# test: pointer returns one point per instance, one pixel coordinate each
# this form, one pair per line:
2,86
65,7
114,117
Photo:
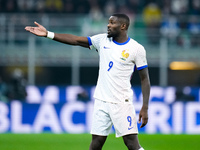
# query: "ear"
123,26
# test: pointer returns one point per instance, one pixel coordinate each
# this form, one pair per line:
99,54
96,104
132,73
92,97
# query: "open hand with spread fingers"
39,30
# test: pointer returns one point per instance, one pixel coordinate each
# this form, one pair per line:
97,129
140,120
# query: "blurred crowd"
104,6
161,17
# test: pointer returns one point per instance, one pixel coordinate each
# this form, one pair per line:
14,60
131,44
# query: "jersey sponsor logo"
124,55
105,47
130,128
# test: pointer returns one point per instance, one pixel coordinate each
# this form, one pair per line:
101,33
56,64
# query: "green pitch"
82,142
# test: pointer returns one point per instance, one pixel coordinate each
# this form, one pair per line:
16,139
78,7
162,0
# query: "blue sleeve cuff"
89,41
142,67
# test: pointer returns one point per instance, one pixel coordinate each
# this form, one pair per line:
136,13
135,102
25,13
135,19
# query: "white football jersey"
116,65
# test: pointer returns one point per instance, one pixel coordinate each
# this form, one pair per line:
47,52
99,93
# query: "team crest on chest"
124,55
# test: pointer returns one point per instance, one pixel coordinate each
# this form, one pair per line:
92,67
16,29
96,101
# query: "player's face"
113,27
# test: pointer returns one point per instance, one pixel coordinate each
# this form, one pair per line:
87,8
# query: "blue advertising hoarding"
69,109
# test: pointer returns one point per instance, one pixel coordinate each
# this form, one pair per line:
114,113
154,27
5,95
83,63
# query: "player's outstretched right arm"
70,39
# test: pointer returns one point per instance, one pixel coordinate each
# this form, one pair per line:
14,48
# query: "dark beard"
109,36
112,35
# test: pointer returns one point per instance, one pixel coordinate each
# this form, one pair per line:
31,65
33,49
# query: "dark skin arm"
70,39
145,85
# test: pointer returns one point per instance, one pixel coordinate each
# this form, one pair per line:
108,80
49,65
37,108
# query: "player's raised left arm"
145,85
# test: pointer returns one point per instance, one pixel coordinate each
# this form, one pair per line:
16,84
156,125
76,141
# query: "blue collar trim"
122,43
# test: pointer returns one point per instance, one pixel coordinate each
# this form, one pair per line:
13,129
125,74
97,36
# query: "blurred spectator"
134,5
152,19
25,5
109,8
125,9
83,6
54,5
69,6
179,6
3,89
94,21
10,5
166,7
40,6
195,7
170,29
129,12
17,86
95,13
194,30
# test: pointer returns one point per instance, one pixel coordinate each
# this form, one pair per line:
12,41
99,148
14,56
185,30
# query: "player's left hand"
143,116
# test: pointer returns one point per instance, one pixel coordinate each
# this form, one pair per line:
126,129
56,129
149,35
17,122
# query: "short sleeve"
95,41
140,58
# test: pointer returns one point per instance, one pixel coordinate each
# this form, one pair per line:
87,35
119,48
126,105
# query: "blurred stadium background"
46,86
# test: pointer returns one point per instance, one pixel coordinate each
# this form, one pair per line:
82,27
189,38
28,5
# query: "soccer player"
118,56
